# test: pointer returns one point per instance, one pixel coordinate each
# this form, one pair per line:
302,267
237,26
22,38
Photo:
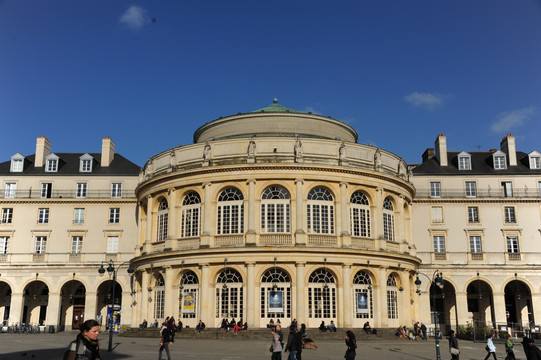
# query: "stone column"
347,312
206,216
169,291
140,235
462,314
499,308
377,221
205,301
91,302
126,310
301,307
251,233
148,234
344,226
53,310
380,301
536,307
251,316
173,229
300,232
144,304
16,307
404,314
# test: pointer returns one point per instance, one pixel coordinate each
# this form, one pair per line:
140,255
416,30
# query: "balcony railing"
65,194
275,239
322,240
516,193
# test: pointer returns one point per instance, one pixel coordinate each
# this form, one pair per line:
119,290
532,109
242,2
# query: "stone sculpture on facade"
298,150
251,151
342,153
206,154
377,160
402,171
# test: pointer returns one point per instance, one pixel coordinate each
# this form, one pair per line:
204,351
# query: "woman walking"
276,346
490,348
86,345
351,343
165,340
509,348
454,350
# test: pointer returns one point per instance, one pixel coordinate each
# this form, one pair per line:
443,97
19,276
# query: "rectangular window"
507,188
52,165
473,214
392,304
435,189
116,190
437,214
43,216
512,244
79,216
475,244
114,215
86,165
112,244
76,244
4,244
40,246
46,190
7,216
499,162
471,189
510,214
535,162
439,244
17,165
464,163
10,190
81,190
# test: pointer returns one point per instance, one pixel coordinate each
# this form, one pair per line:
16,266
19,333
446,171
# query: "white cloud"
505,121
425,100
135,18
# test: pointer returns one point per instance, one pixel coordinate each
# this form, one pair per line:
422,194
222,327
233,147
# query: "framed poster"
362,303
188,303
276,301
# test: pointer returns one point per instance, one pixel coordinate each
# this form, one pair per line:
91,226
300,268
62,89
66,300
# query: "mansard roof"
69,166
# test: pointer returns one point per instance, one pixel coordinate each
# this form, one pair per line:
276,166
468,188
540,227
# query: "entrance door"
78,316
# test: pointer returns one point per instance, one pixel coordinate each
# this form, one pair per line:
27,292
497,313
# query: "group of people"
294,341
419,331
331,327
233,325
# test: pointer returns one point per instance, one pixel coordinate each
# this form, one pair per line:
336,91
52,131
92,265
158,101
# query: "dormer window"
535,160
17,163
51,163
464,161
499,159
85,164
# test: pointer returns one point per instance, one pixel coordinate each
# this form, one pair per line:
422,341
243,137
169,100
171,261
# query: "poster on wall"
188,303
362,303
276,301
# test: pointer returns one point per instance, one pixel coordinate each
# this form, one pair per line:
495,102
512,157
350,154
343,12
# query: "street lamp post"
436,281
111,269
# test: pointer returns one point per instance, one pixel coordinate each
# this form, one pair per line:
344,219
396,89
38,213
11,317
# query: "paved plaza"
52,346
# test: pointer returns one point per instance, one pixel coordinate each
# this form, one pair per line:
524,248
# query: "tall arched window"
392,298
275,210
362,287
322,295
230,212
159,297
320,211
188,296
229,295
359,215
275,295
388,220
191,215
163,216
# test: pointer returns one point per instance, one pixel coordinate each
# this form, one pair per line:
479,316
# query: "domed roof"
276,108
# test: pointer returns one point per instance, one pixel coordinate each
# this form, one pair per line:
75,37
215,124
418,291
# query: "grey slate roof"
481,163
68,165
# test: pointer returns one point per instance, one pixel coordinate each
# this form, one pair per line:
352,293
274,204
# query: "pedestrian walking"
86,345
490,348
351,344
164,341
276,346
454,350
509,348
292,345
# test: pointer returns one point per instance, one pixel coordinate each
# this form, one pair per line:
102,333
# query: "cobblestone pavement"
52,346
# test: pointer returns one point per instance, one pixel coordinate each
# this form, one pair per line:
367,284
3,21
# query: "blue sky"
148,73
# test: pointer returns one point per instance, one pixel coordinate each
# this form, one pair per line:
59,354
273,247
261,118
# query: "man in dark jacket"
532,352
453,346
292,344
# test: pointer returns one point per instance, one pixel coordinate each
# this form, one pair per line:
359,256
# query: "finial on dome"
275,100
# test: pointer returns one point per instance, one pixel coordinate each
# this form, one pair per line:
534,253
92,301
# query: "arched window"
188,296
322,295
362,287
275,210
275,295
159,297
230,212
229,295
392,298
359,215
388,220
320,211
163,216
191,215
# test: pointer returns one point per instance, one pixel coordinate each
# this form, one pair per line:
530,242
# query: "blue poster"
276,301
362,303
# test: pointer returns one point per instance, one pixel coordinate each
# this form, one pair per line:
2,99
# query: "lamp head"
101,270
131,270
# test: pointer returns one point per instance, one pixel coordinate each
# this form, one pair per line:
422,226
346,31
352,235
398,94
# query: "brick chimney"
43,149
441,149
509,147
107,151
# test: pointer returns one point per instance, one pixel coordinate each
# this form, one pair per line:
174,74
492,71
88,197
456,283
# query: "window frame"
473,216
4,244
81,192
114,215
320,211
476,247
46,190
44,215
435,189
7,216
40,244
438,242
76,244
79,216
464,162
471,189
10,190
112,244
17,163
512,246
510,215
507,188
116,190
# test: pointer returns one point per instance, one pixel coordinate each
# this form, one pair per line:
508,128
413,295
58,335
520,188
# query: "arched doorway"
362,296
481,307
321,297
188,299
5,303
72,311
275,296
36,300
518,305
105,299
229,296
443,306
